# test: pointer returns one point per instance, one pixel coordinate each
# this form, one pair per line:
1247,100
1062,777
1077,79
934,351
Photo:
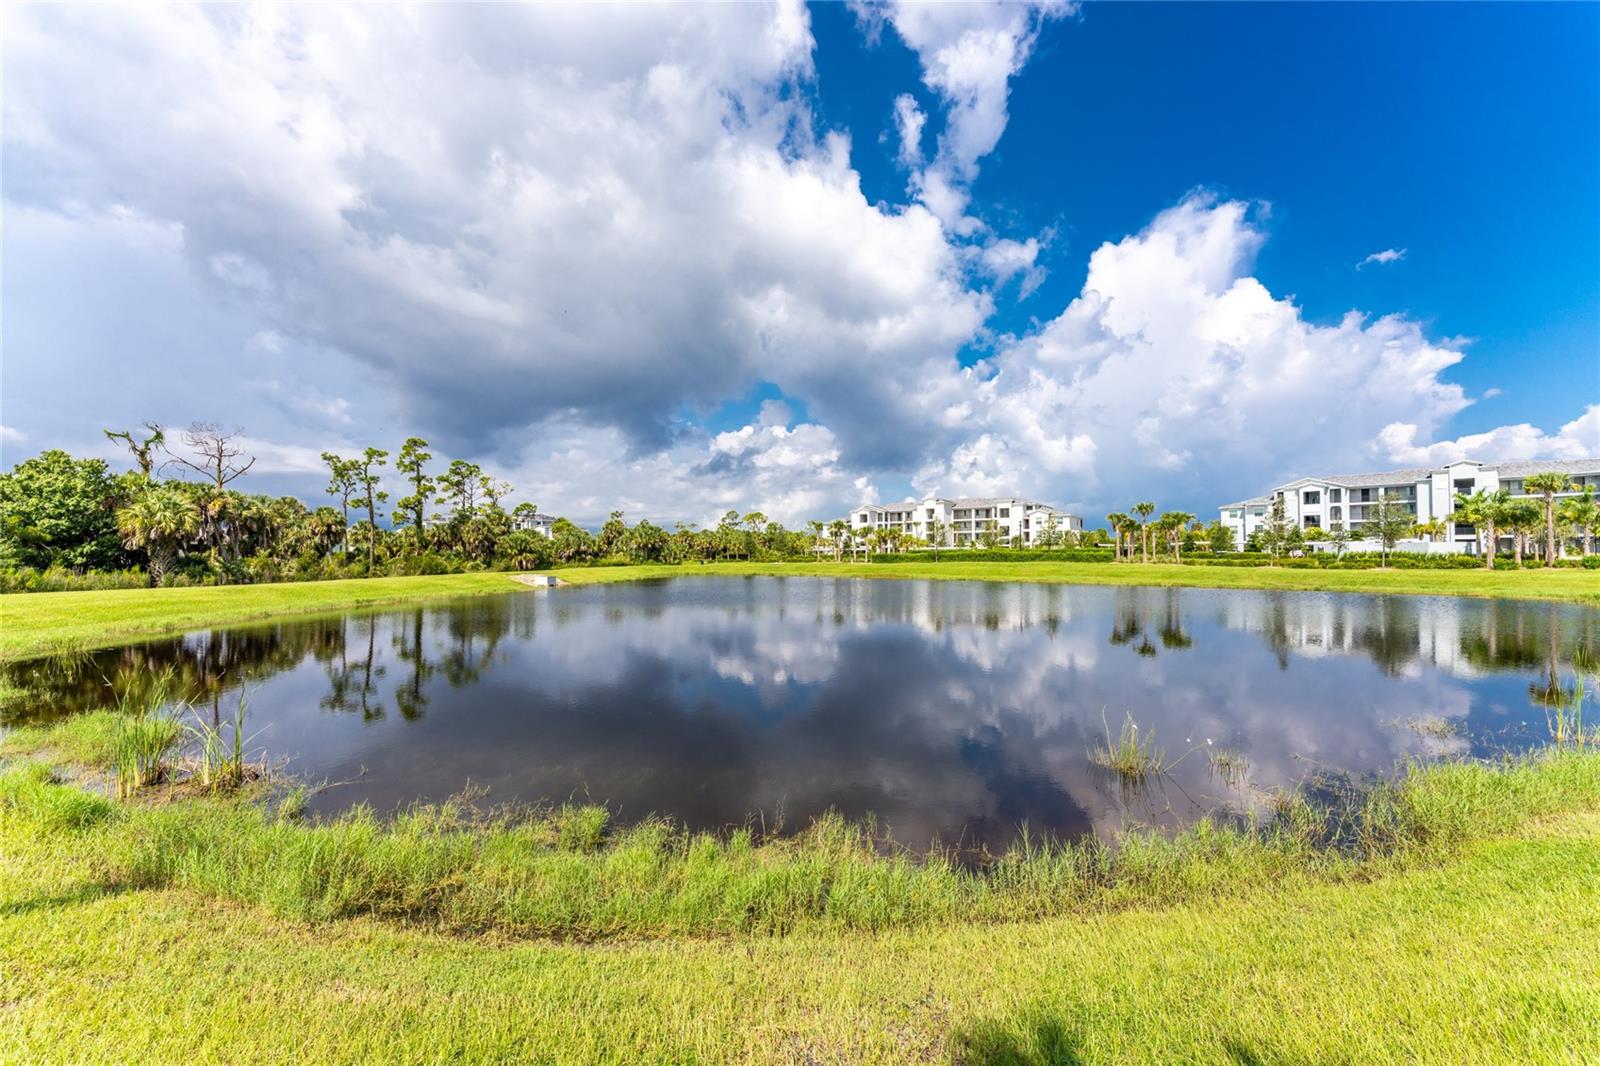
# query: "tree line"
179,517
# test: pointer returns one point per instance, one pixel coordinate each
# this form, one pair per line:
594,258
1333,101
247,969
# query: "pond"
952,712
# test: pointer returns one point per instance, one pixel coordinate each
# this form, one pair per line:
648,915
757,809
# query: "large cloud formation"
558,238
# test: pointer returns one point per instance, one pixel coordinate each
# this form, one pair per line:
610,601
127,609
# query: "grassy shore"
566,873
1470,939
42,623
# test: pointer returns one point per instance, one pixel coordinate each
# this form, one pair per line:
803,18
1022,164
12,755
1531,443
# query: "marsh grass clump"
139,750
1564,717
144,732
1130,755
580,828
1434,726
1231,767
218,762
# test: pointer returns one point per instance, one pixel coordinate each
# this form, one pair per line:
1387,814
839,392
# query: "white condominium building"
1429,493
1019,522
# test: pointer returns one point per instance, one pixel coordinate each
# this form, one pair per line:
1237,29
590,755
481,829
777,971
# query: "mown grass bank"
1485,955
43,623
47,622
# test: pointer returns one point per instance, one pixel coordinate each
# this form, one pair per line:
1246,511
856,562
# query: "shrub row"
60,579
1350,561
999,555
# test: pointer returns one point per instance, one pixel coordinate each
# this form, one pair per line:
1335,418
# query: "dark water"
952,711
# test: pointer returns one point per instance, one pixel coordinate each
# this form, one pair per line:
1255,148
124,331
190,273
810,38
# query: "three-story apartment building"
1018,522
1428,493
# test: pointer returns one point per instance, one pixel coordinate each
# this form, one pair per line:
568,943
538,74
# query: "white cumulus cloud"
1578,439
1388,255
554,238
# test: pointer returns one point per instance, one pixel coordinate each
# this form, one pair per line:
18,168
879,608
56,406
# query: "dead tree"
217,453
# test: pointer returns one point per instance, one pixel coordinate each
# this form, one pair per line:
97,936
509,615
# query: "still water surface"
952,711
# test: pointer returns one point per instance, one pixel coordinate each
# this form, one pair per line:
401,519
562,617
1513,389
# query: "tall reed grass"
145,731
219,761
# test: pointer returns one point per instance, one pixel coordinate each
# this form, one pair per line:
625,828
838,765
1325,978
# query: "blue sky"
683,259
1467,134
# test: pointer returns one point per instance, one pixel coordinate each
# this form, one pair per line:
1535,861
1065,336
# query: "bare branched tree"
217,452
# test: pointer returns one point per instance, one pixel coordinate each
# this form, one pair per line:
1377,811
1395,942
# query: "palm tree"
1144,510
838,532
1523,519
1547,485
1484,511
1430,530
1175,521
159,521
1583,514
1117,521
876,538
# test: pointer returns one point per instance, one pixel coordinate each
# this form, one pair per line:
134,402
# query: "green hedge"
1349,561
999,555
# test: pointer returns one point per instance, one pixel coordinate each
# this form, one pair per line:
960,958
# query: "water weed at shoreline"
567,872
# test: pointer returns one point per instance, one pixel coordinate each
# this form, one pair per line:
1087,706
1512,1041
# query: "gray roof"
1541,466
1412,474
988,501
1408,476
1250,502
959,501
962,501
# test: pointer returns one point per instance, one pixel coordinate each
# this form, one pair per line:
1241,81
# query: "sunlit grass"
570,872
1457,927
35,624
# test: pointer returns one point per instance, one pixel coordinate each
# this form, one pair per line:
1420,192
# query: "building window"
1335,513
1005,512
1313,521
1334,494
1312,496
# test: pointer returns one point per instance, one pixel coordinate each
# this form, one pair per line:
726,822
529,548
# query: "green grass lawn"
1572,585
40,623
1486,958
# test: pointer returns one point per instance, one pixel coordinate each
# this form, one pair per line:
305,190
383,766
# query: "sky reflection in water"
953,711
